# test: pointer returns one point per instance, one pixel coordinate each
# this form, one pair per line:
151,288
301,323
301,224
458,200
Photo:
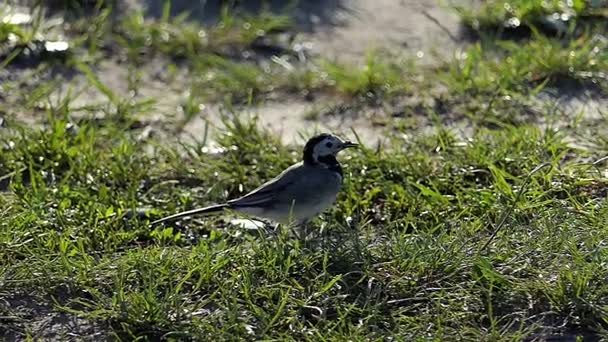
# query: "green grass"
182,39
524,67
377,78
401,254
553,16
219,69
497,81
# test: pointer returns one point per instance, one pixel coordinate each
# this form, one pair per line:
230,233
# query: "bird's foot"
268,228
305,231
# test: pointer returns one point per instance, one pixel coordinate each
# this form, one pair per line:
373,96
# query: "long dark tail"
207,210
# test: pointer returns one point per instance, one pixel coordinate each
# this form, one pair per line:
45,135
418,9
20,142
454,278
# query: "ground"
475,209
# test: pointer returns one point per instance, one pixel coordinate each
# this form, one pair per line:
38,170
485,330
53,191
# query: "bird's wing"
269,191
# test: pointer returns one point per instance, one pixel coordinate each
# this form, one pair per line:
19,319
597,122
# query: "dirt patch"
347,30
26,315
415,28
293,121
334,29
338,30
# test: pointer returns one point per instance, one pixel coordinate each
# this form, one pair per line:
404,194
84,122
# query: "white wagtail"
299,193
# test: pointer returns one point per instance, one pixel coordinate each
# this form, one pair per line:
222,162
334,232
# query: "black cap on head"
310,146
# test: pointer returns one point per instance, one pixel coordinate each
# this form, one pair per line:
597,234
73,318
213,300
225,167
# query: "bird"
297,194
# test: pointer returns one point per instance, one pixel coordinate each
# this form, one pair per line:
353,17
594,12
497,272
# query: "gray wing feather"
269,191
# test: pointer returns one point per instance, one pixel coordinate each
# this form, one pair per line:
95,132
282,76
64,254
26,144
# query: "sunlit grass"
554,16
400,252
399,255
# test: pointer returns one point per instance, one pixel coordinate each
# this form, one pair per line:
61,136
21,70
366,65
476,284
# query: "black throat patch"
331,163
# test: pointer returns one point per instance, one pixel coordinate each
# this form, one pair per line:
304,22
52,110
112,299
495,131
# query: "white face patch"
331,145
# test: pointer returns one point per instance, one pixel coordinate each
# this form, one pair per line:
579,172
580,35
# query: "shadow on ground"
307,14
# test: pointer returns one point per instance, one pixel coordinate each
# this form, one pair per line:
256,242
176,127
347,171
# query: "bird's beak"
349,144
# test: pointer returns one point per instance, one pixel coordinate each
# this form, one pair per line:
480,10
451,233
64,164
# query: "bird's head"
323,148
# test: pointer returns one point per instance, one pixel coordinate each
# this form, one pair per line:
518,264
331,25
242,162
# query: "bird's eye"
329,144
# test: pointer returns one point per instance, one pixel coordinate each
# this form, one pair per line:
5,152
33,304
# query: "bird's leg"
276,229
304,229
296,229
269,227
